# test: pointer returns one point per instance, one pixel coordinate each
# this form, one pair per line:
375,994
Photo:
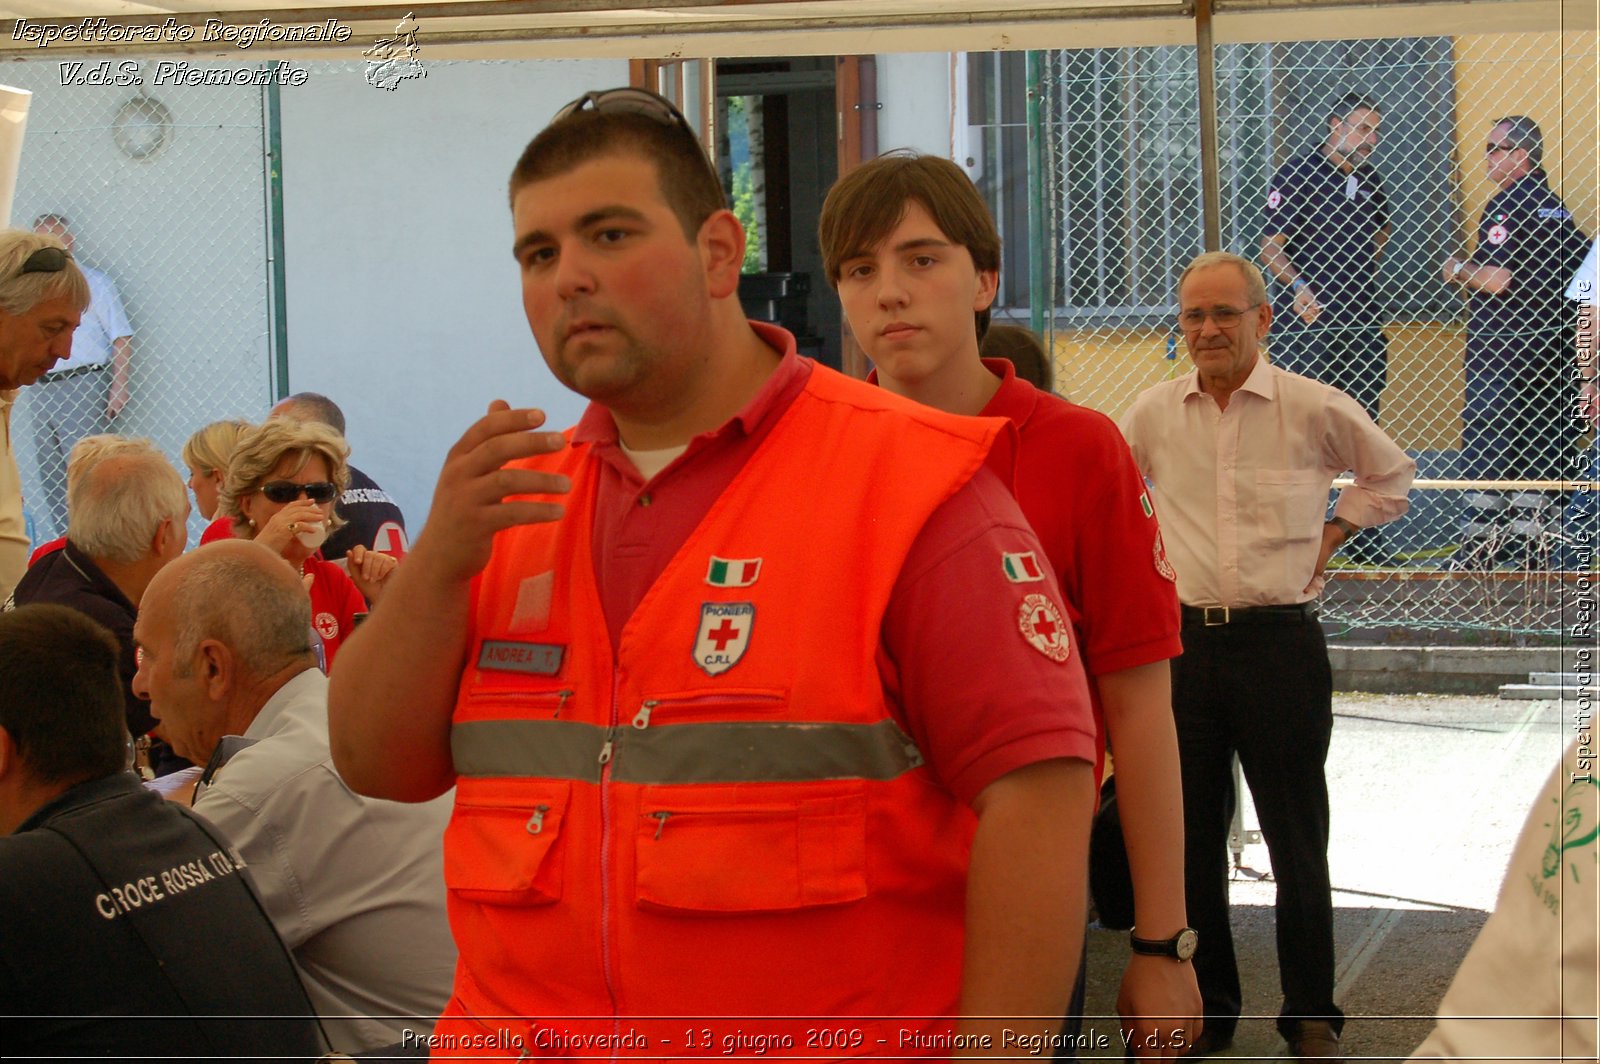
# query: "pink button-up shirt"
1242,492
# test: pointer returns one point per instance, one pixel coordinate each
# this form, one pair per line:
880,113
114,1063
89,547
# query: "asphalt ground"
1428,794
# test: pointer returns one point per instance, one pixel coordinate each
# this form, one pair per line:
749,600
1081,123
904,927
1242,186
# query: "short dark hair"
1523,132
865,205
1022,349
319,407
1353,101
685,176
61,694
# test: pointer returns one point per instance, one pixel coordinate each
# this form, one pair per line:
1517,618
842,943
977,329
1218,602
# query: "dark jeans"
1354,359
1265,692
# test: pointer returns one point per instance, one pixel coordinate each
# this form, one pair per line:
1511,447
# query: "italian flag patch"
1021,568
1144,504
733,572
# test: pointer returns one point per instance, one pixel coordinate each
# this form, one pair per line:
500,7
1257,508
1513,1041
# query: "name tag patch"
724,635
505,655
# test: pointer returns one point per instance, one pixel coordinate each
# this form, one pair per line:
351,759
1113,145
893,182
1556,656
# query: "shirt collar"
1260,381
598,427
86,793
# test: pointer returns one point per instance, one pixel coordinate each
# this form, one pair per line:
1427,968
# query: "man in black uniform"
1516,423
373,519
1325,226
128,928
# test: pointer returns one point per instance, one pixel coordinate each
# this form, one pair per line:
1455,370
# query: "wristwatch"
1455,271
1179,947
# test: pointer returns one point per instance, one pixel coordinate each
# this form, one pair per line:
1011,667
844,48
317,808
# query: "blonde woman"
206,455
282,481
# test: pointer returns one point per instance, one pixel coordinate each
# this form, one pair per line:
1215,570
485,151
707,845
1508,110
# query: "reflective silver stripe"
737,752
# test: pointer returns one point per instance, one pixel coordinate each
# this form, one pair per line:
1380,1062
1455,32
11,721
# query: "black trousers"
1264,691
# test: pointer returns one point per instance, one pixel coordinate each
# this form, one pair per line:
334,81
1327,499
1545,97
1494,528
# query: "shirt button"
644,499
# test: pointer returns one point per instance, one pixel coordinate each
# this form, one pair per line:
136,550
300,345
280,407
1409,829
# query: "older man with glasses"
43,295
1240,456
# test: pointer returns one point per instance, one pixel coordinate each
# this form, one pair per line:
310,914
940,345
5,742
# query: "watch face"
1184,945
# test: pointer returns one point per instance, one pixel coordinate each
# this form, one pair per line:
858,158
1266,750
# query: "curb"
1447,670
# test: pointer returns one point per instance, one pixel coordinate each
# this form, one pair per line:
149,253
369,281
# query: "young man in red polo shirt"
912,250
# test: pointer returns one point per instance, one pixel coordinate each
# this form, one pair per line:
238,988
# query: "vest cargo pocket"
499,848
715,850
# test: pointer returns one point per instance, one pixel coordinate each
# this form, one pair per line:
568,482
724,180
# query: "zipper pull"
561,700
605,751
661,821
535,823
641,719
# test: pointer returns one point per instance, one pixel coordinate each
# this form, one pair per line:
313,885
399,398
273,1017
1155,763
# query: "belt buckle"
1218,612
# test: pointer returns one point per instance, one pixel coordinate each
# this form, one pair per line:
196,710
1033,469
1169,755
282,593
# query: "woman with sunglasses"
282,480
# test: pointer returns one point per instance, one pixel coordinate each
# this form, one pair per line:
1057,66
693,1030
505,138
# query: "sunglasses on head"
633,101
287,491
45,260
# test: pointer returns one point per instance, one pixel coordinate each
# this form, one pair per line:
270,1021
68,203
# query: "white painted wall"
915,91
403,301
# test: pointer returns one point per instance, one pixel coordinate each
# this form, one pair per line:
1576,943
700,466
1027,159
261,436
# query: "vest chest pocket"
711,850
501,848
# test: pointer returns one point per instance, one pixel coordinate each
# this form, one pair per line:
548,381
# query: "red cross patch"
724,635
1044,627
1163,566
327,625
1498,234
390,539
1274,198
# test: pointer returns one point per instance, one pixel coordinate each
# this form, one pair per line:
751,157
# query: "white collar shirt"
1242,492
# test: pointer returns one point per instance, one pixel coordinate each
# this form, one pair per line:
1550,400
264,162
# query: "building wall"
403,300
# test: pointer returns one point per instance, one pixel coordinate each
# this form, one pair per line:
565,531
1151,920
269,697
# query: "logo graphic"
1021,568
1274,198
724,635
1163,566
1044,627
391,539
733,572
1144,504
1574,830
393,60
327,625
1498,234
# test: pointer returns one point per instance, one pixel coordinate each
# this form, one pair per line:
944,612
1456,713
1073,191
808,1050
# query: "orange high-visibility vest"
720,818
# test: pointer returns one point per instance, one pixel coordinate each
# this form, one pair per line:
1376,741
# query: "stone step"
1565,679
1530,691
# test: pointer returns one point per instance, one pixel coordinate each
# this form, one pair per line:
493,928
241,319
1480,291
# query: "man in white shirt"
355,886
85,392
1240,456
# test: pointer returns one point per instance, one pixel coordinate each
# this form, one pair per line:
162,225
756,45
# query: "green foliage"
744,208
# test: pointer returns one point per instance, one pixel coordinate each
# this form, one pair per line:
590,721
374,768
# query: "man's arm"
1026,898
393,688
1383,472
1380,240
1138,711
1275,256
121,362
1466,274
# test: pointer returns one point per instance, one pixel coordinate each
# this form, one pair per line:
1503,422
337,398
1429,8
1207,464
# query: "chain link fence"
1472,372
164,190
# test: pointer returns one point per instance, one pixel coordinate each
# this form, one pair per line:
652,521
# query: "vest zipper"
535,824
608,859
641,719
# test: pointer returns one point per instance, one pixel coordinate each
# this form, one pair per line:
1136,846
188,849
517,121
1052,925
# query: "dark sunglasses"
638,102
45,260
1491,148
286,491
633,101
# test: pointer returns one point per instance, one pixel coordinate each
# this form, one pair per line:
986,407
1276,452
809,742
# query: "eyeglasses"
1490,149
287,491
629,100
1225,317
45,260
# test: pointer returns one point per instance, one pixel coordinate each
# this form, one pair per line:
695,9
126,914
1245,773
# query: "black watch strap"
1179,947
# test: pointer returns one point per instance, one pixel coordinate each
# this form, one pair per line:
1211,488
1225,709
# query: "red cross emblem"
1044,627
390,539
724,635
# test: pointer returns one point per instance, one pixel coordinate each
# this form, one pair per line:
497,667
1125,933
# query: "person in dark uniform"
127,927
372,518
1325,226
1516,423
